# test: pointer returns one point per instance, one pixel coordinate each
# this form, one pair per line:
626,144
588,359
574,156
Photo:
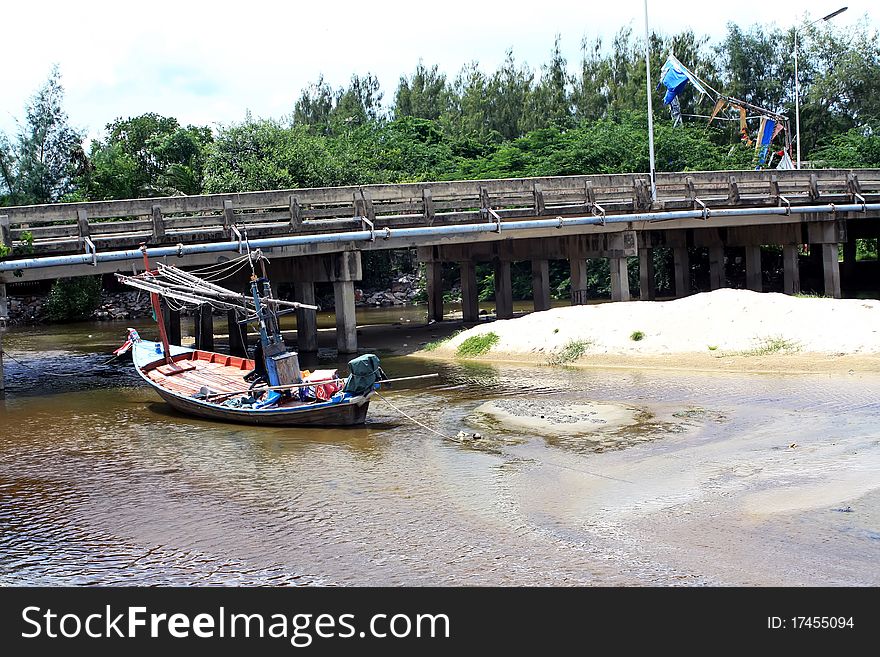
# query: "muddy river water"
672,479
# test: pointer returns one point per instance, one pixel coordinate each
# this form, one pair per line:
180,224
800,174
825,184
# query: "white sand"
723,322
553,418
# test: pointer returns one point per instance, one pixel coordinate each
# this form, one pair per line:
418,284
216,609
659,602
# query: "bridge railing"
59,228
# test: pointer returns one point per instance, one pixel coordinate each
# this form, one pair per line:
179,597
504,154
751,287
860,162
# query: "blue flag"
674,76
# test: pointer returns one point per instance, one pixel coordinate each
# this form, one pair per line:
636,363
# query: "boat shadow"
360,438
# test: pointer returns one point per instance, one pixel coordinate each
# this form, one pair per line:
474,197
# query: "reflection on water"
101,483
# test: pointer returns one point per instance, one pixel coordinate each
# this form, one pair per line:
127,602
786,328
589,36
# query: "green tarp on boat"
365,371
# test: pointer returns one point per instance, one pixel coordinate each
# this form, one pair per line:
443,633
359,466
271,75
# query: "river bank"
734,330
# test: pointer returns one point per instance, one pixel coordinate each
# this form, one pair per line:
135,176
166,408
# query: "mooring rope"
6,354
551,463
411,418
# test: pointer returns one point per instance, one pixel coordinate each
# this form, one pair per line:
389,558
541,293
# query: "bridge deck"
64,228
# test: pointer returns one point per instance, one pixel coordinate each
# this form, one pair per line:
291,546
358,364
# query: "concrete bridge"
318,235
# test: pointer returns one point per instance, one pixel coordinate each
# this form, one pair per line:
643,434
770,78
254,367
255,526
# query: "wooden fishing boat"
210,385
269,389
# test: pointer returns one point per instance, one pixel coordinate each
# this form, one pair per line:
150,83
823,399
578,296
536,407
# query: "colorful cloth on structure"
719,105
779,128
785,162
674,76
762,142
675,111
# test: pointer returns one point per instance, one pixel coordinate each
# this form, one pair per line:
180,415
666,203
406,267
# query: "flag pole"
650,106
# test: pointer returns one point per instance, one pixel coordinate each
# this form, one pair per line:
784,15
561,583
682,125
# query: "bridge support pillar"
753,268
346,321
791,279
717,279
434,271
237,335
541,284
172,323
470,300
847,268
503,290
619,279
203,325
306,320
647,291
831,269
578,267
682,266
4,305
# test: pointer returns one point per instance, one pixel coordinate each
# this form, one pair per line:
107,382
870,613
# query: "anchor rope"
551,463
411,418
6,354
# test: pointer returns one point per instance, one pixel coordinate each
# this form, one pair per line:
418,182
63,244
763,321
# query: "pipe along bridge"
318,235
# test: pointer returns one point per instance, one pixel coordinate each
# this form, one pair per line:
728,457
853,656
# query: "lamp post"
650,107
797,88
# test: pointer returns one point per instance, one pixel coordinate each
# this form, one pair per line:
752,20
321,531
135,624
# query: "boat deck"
218,372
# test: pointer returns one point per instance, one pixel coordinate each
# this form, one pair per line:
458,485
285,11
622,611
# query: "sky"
208,63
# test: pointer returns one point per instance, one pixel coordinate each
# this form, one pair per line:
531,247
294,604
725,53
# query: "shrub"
635,336
72,299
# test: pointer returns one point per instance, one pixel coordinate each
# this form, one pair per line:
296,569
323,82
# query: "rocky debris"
404,290
135,304
33,309
123,305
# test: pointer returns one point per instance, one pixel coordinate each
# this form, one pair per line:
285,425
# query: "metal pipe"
431,231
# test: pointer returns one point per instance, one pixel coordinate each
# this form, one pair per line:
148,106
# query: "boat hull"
337,415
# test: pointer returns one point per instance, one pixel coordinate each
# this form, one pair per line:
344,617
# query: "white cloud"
209,62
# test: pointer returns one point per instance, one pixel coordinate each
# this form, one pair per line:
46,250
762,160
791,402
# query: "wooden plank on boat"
175,368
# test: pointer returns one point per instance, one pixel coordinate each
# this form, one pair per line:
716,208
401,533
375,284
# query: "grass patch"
569,352
773,344
809,295
477,345
635,336
712,347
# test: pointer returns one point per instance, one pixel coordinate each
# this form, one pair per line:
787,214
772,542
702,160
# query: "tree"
42,164
360,103
148,155
259,155
551,100
509,92
314,107
425,95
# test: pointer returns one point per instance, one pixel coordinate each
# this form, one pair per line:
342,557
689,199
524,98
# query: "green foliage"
24,247
773,344
477,345
637,336
435,344
866,249
854,148
42,164
570,352
72,299
424,95
148,155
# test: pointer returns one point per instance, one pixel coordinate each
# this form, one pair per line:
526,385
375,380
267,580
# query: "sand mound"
726,321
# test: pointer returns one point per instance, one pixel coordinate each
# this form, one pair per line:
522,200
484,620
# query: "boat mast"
157,310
